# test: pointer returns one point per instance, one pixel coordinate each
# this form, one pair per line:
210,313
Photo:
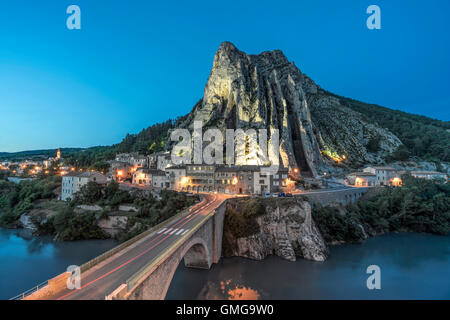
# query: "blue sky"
135,63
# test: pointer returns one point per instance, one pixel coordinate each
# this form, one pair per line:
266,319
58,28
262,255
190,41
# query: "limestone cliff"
266,91
283,227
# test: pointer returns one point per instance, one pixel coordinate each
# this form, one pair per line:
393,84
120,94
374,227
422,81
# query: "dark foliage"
420,206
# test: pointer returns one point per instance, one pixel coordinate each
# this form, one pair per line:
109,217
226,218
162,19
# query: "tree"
90,193
374,144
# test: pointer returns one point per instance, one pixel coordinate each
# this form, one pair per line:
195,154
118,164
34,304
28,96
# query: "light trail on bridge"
186,219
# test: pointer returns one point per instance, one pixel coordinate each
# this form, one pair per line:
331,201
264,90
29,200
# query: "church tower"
58,154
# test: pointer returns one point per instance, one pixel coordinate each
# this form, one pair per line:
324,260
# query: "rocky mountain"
266,91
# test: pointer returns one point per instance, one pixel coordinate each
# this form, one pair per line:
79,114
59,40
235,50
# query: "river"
26,261
413,266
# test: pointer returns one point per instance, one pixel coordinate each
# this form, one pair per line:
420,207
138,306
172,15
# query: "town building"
279,181
120,170
142,177
160,160
161,180
429,175
73,181
134,159
151,177
384,176
177,176
200,178
362,179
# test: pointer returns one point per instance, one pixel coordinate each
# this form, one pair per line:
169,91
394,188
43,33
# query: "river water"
27,261
413,266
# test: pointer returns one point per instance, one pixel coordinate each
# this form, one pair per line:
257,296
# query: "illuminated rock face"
260,92
266,91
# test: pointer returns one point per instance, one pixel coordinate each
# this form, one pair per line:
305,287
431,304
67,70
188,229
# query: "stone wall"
55,285
343,197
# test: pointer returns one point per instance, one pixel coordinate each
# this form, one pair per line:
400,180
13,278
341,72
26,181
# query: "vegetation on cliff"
240,221
16,199
422,137
67,222
419,206
70,223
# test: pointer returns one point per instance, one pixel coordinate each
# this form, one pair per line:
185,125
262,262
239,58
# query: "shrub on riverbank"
16,199
69,225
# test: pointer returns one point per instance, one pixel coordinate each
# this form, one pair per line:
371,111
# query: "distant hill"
36,154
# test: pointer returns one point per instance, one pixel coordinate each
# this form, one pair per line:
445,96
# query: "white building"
429,175
362,179
384,176
143,177
73,181
261,182
177,176
161,180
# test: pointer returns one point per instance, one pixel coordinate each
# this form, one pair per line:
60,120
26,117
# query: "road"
104,278
331,190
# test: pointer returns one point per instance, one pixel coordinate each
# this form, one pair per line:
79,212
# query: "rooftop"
427,172
362,174
381,168
86,174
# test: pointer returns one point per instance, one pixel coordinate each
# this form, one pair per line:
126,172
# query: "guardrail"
133,280
86,266
30,291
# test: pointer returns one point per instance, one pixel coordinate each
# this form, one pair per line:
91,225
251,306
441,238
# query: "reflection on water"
227,290
26,261
413,266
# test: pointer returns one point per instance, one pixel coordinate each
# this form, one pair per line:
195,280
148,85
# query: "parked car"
282,194
267,194
289,195
275,195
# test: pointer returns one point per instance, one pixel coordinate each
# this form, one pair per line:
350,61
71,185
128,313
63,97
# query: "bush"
419,206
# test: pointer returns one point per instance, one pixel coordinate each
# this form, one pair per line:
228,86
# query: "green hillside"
423,137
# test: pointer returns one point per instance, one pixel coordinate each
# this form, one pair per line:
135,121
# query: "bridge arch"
196,254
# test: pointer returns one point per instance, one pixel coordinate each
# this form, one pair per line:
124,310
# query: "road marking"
162,230
179,231
185,232
174,230
168,230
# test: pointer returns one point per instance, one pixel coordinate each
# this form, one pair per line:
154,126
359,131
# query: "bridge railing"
30,291
133,280
86,266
